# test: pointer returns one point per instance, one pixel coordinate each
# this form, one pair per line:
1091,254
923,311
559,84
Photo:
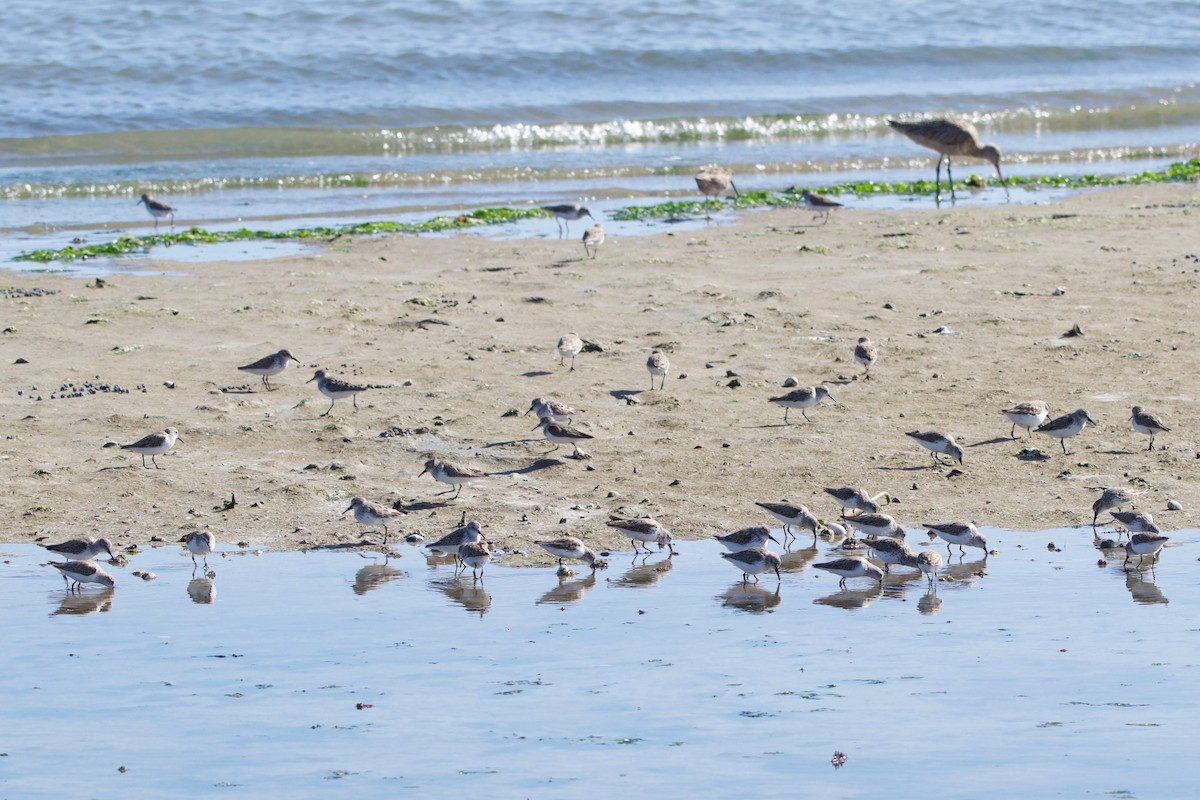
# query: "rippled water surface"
335,674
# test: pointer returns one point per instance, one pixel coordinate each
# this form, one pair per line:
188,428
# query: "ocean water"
269,110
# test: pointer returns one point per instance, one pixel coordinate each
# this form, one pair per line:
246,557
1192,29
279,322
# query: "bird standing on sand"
819,204
950,137
857,500
335,389
802,398
562,434
658,365
1145,422
153,445
593,237
866,353
454,474
157,209
1065,426
714,181
569,344
564,213
937,443
1110,498
1027,415
270,365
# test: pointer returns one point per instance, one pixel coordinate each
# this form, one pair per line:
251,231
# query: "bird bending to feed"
562,434
270,365
802,398
643,530
754,560
81,572
746,538
1067,425
819,204
963,534
153,445
569,344
335,389
1110,498
893,551
545,408
950,137
1027,415
866,353
1135,521
564,213
373,514
568,547
792,515
593,237
157,209
929,563
475,555
852,499
714,181
937,443
878,525
199,543
658,364
1144,422
1142,545
454,474
81,549
853,567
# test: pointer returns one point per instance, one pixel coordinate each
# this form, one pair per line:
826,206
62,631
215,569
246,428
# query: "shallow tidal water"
334,674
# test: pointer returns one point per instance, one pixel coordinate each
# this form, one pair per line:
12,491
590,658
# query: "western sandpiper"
643,530
373,514
335,389
1142,545
1135,521
1027,415
450,543
569,344
866,353
157,209
950,137
565,213
475,555
457,475
852,499
1143,421
593,237
963,534
929,563
1111,498
270,365
937,443
753,561
853,567
1067,425
545,408
791,514
876,525
746,539
568,547
802,398
199,543
658,365
562,434
153,445
81,572
819,204
82,549
893,551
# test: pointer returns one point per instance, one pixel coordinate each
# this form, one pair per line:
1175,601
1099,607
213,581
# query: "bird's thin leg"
572,364
1151,447
950,179
331,402
153,461
354,399
1013,432
456,494
785,415
1063,442
937,181
805,415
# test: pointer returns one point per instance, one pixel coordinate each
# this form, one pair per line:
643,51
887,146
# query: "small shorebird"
561,434
1067,425
270,365
450,543
153,445
335,389
475,555
792,515
1135,521
1144,422
199,543
753,561
893,551
564,213
1142,545
802,398
1027,415
593,237
545,408
714,181
1110,498
929,563
373,514
866,353
569,344
81,572
937,443
157,209
853,567
746,539
658,364
568,547
878,525
950,137
852,499
82,549
819,204
454,474
963,534
643,530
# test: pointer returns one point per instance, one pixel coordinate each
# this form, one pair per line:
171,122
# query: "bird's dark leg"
354,399
331,402
1013,432
785,414
152,461
937,181
950,179
1063,442
1151,447
804,414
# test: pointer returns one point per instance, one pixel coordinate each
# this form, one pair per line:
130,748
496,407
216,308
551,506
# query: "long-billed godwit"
950,137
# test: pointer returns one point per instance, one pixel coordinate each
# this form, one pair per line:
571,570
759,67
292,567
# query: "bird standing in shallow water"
373,514
199,543
714,181
950,137
157,209
565,212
